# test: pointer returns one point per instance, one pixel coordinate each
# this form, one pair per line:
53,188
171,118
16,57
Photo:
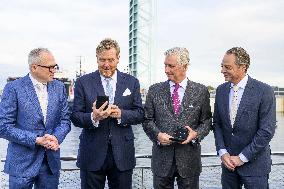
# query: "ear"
33,67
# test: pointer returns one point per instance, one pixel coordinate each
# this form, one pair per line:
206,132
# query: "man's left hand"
236,161
191,135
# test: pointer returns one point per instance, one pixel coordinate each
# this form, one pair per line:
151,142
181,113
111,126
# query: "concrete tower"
142,15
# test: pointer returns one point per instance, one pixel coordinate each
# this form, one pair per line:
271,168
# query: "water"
143,146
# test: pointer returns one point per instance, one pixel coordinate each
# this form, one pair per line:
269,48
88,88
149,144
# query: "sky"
206,28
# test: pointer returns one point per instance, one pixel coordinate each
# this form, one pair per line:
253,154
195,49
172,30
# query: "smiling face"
174,71
40,73
107,62
232,72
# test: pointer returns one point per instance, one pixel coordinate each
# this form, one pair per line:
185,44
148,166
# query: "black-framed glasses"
51,68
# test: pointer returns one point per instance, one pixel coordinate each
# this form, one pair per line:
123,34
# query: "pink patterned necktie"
175,97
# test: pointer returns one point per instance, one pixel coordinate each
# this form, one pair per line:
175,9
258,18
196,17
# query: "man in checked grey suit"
34,118
244,123
191,109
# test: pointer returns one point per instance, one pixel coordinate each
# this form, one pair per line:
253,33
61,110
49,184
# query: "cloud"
207,28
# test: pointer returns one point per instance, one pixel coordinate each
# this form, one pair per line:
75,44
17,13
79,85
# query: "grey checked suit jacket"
159,117
253,128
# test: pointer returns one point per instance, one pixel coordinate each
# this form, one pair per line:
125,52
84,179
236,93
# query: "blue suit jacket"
21,121
94,141
253,129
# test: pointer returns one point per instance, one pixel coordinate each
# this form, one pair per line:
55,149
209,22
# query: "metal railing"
142,175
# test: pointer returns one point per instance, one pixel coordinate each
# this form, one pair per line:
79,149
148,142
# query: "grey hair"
34,55
181,53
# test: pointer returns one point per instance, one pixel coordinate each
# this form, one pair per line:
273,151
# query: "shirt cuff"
95,123
243,158
221,152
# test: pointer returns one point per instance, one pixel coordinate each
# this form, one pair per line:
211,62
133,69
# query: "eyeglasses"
51,68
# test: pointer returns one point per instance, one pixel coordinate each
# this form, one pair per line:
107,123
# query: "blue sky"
207,28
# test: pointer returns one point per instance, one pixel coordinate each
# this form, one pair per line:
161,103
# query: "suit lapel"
120,87
188,97
51,100
248,93
31,93
225,99
96,85
166,95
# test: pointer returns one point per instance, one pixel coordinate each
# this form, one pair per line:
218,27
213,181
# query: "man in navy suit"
34,118
107,140
244,123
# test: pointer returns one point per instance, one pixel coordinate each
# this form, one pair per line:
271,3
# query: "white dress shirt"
242,85
42,95
181,89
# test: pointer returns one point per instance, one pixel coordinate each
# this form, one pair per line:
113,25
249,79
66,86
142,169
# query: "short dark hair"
242,57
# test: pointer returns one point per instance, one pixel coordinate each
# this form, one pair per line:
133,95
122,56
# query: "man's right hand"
100,114
226,160
164,138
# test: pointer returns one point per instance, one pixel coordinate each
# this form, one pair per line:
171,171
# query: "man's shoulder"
57,83
87,77
223,86
127,76
158,86
260,84
17,82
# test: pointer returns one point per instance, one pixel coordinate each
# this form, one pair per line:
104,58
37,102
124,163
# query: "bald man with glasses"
34,118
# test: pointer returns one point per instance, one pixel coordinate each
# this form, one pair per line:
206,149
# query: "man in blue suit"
244,123
107,140
34,118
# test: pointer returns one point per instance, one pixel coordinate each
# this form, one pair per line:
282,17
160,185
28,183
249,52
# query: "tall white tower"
142,16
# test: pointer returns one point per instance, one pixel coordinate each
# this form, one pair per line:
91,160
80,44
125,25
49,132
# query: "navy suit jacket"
94,140
253,129
21,121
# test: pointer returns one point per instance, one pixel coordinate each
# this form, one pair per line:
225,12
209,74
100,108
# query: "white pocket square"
126,92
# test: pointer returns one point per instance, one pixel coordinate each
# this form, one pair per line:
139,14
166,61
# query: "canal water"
143,145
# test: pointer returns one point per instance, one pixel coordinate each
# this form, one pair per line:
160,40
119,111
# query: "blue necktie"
109,90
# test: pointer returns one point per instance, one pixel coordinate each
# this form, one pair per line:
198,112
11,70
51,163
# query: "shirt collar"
182,84
242,84
34,81
113,77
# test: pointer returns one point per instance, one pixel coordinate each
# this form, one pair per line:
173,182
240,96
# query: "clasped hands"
48,141
231,162
164,138
111,111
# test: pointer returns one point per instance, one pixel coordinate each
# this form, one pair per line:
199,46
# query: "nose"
167,69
